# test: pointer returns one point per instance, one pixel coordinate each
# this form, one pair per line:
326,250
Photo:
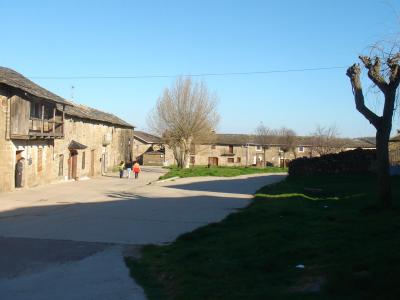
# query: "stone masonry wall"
7,174
46,169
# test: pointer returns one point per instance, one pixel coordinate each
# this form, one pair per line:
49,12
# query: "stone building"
150,150
246,150
58,139
394,150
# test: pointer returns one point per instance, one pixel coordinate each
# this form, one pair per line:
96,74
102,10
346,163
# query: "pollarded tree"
184,115
388,83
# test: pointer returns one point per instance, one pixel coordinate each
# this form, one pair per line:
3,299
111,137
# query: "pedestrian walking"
121,168
136,169
129,168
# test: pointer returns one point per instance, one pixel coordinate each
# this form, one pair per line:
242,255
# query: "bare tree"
184,115
263,138
287,140
325,140
387,81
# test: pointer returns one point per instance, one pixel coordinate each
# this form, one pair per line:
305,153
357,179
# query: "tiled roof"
243,139
85,112
396,138
147,137
15,80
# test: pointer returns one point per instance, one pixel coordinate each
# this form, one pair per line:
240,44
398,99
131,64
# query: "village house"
149,150
246,150
54,139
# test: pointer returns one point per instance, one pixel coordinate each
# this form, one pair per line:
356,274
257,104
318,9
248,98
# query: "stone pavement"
74,234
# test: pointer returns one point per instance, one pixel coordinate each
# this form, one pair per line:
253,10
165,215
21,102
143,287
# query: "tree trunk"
185,150
383,167
178,155
264,160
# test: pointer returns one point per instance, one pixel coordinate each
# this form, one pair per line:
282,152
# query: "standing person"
121,168
129,168
19,167
136,169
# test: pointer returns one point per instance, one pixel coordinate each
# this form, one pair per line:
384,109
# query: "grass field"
218,171
330,224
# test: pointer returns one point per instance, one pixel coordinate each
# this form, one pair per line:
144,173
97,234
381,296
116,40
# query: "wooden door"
18,175
92,163
73,162
213,161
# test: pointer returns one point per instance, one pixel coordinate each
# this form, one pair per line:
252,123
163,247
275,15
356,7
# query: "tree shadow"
232,186
124,218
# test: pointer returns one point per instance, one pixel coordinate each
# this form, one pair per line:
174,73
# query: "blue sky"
129,38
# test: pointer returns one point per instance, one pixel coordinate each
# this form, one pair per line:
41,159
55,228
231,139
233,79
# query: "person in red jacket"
136,169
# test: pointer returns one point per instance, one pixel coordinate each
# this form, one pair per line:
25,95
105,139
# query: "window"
40,160
36,110
48,112
61,165
258,148
238,159
300,149
192,160
83,160
213,147
230,149
231,160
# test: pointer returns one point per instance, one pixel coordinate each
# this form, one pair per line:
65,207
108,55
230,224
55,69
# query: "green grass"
331,224
197,171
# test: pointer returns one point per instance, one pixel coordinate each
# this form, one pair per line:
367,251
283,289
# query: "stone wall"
6,149
44,157
394,153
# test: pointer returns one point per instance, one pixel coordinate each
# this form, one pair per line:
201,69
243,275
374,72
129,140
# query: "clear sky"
135,38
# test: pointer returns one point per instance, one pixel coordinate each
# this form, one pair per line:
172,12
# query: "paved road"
67,240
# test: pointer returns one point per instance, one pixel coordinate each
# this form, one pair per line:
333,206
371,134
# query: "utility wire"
190,75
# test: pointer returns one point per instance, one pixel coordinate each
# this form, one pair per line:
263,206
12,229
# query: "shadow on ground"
233,186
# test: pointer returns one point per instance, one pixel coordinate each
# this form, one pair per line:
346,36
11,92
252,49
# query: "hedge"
348,162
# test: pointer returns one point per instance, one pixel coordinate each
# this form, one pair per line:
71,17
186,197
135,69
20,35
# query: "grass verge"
330,224
197,171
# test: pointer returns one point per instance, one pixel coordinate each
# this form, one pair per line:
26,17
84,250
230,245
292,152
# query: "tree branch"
393,64
354,74
374,72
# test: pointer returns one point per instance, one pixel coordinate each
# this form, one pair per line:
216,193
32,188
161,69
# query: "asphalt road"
67,240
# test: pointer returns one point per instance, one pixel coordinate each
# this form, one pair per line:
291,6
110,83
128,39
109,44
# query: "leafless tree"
263,138
387,81
287,139
184,115
325,140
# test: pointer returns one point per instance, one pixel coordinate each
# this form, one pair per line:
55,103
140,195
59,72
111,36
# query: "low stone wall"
353,161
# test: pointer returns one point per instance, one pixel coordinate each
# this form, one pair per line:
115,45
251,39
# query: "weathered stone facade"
103,143
243,155
149,150
394,150
243,150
